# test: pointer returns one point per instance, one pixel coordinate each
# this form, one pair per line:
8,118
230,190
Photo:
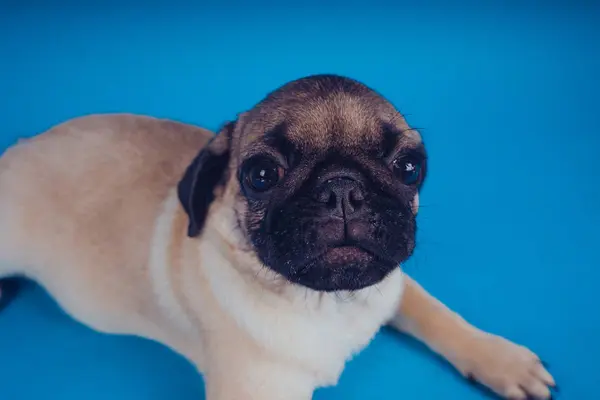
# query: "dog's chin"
344,268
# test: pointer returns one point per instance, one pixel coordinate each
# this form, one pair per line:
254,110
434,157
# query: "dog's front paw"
510,370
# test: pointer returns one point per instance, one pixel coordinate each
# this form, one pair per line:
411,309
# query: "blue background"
506,95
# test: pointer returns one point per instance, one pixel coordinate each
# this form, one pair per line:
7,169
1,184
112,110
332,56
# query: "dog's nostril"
325,196
332,200
357,196
354,200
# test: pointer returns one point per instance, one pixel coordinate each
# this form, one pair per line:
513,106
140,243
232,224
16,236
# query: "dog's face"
326,175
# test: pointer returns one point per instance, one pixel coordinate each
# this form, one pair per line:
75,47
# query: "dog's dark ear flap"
196,190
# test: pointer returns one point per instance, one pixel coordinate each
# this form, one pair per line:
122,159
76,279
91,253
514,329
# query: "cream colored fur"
89,210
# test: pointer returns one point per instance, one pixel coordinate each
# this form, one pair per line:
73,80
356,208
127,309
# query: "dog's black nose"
342,196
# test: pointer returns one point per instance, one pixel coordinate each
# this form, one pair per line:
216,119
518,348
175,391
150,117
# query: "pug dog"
267,254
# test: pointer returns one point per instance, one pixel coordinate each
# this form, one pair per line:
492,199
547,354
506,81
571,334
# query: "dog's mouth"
343,266
347,253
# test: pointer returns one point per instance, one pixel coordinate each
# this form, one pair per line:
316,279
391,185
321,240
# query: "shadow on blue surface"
507,98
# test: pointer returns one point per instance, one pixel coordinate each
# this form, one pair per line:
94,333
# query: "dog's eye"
263,175
408,169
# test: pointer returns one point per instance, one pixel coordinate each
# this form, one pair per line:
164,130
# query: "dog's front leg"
510,370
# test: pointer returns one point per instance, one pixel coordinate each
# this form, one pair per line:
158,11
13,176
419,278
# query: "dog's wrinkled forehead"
322,112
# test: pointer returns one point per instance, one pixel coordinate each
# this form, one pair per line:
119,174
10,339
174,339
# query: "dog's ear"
196,190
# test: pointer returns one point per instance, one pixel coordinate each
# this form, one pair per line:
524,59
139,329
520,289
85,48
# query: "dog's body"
92,210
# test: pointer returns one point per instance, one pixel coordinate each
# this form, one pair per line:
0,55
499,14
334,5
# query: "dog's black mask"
341,230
